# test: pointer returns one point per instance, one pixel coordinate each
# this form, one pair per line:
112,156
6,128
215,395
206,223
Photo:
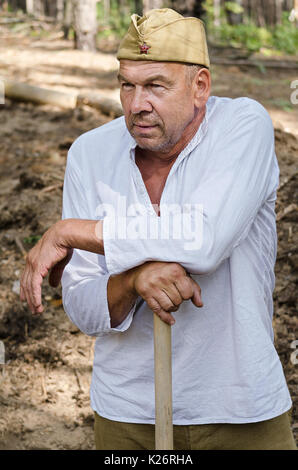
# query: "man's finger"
197,297
26,289
29,301
36,281
164,301
185,287
154,305
174,295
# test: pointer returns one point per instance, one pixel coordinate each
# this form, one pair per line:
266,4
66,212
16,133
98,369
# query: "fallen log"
24,92
9,21
275,64
105,105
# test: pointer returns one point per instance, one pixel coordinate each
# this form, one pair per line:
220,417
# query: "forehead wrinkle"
160,78
146,81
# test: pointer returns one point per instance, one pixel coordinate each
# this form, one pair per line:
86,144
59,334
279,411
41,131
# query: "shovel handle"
163,384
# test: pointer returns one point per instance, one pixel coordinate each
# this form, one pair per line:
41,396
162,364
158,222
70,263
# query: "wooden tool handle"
163,385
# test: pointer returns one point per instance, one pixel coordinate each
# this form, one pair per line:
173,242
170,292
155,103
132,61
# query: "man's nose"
140,101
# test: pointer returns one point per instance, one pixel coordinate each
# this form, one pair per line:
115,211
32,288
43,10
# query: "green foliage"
208,7
250,36
116,24
233,7
32,240
283,104
283,37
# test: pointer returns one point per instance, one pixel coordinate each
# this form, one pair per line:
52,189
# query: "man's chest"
155,184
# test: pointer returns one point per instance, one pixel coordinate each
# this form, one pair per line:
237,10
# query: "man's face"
158,102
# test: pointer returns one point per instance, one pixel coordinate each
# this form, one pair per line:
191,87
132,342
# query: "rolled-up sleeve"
240,173
85,278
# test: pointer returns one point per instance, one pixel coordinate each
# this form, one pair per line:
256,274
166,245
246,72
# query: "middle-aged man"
173,198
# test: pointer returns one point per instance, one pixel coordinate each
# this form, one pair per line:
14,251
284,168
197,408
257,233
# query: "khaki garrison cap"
164,35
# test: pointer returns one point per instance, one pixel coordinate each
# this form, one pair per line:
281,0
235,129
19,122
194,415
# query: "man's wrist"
129,280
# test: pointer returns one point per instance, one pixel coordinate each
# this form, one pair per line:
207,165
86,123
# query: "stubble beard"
155,143
164,142
163,146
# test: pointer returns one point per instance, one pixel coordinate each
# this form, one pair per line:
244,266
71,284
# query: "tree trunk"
235,18
257,11
138,7
124,8
216,7
198,9
150,4
85,24
247,10
51,8
269,11
188,7
60,10
67,17
288,5
30,7
278,11
106,10
39,9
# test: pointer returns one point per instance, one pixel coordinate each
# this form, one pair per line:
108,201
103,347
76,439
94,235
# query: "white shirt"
225,365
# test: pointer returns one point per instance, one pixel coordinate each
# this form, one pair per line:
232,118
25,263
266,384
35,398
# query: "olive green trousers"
273,434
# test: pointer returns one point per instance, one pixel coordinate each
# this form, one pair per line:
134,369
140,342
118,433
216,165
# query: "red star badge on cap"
144,48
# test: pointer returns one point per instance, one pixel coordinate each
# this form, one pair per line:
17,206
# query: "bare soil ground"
44,383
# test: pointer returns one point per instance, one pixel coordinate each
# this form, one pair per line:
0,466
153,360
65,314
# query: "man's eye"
127,86
155,85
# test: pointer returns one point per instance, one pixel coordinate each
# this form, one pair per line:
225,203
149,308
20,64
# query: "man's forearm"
87,235
82,234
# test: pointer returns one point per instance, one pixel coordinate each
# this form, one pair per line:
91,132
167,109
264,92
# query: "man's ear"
202,87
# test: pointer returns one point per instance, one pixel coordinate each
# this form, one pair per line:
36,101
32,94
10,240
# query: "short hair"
192,69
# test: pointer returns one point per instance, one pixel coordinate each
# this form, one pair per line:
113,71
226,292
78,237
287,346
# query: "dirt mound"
44,399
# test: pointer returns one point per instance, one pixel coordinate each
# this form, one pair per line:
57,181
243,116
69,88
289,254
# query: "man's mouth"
144,126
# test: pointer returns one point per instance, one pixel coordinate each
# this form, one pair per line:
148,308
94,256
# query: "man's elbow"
80,320
201,263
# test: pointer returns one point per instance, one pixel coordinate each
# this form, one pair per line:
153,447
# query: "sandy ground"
44,383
